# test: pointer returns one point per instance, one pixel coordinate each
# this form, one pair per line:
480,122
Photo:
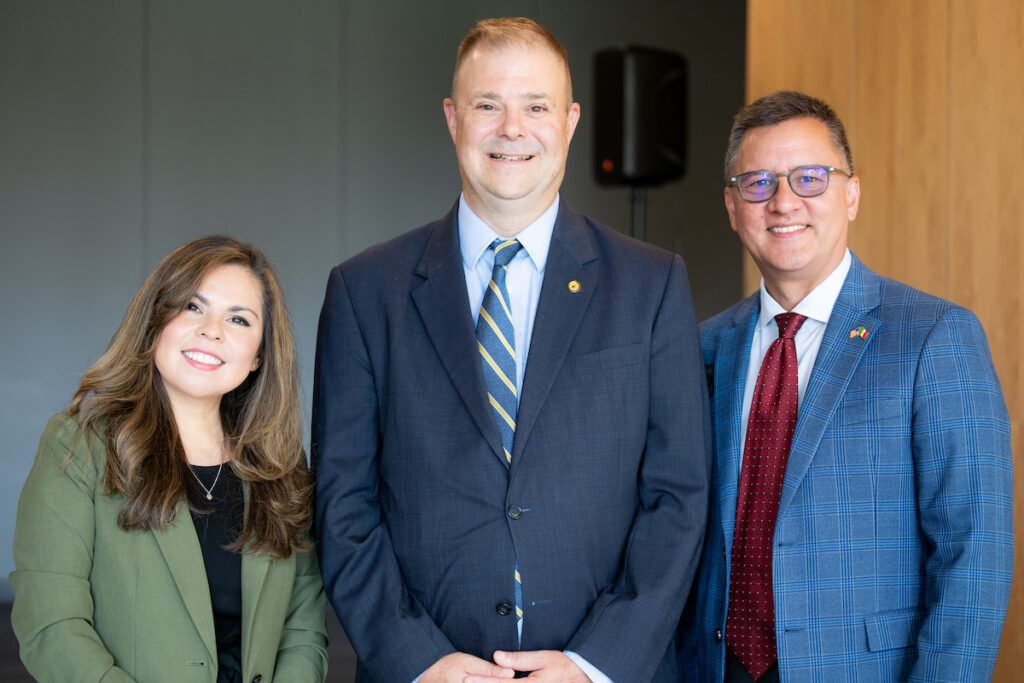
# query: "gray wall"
312,128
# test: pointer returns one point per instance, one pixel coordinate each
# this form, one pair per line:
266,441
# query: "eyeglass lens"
805,181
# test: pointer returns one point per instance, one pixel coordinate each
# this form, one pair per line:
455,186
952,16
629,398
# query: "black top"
218,523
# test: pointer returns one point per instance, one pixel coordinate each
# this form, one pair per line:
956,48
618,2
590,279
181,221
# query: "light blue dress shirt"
524,276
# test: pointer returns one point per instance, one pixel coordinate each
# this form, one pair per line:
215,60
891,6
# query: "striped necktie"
496,340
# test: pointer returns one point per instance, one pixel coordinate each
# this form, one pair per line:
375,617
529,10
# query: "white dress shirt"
817,306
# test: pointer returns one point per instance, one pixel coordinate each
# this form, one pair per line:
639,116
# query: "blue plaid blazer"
893,547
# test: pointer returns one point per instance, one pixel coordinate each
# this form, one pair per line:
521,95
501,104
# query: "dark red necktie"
750,626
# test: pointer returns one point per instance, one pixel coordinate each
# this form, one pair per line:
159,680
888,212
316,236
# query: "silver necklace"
209,491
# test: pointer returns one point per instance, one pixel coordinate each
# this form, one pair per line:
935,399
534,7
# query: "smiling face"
511,122
209,348
795,241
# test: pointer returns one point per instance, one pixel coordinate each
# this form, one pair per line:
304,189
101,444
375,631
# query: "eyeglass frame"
787,175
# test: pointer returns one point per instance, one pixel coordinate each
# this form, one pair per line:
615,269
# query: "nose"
511,124
211,329
785,200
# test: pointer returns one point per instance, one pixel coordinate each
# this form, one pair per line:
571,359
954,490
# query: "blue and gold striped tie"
496,340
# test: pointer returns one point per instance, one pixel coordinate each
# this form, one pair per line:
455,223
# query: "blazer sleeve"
963,464
629,628
394,635
53,549
302,651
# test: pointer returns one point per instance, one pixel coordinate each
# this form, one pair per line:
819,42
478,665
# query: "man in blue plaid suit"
892,552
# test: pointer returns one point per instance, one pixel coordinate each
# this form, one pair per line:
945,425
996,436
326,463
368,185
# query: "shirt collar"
475,235
817,305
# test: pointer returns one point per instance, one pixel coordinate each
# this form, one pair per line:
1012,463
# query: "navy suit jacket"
893,546
419,516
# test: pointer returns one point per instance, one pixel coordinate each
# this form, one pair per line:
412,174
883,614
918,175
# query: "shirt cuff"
592,672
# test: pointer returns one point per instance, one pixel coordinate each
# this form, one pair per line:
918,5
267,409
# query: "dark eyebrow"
233,309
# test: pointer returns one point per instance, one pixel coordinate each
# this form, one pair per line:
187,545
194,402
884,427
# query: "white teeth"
787,228
512,157
204,358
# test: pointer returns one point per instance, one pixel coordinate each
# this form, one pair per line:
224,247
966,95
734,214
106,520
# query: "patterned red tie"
750,625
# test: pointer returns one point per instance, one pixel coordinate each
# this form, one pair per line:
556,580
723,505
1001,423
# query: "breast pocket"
610,359
875,412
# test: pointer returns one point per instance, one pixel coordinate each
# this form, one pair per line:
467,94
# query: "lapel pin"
574,286
859,332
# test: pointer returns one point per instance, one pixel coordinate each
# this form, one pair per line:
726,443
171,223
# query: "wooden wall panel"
930,92
780,58
899,130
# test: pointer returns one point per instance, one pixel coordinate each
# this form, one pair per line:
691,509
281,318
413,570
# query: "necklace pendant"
208,491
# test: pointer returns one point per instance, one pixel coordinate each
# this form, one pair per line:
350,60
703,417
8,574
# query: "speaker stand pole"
639,211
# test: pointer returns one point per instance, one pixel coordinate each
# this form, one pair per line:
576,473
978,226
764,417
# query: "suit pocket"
609,359
890,630
873,412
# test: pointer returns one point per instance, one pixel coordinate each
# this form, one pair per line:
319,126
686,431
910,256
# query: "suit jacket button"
257,678
504,609
514,511
718,635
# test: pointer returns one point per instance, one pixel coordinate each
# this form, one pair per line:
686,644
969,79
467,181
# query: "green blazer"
95,603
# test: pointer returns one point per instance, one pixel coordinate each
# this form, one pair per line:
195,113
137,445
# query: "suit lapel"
254,573
180,547
838,358
731,359
559,312
443,304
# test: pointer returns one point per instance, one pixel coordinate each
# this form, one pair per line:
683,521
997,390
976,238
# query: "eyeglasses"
805,181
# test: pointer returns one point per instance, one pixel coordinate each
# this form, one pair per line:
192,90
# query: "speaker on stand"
640,121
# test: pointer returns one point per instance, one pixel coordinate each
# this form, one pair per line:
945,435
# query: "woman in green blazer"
162,534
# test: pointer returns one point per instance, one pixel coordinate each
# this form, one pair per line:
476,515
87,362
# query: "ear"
852,197
256,364
730,206
571,120
450,116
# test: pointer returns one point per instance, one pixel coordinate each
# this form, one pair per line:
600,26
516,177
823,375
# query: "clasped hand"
542,665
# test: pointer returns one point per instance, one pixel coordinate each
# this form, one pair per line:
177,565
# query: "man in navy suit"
474,520
888,540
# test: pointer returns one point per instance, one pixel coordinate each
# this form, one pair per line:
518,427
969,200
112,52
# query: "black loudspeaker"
640,120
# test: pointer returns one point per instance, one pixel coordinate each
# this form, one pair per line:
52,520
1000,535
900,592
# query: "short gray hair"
782,106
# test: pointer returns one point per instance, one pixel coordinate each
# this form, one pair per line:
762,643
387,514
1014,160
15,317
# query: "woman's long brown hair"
123,397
